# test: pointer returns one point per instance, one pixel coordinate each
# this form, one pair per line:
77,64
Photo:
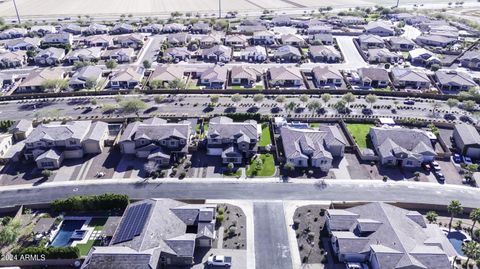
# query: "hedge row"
50,252
107,201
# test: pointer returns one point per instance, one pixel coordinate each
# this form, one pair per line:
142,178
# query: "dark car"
367,111
409,102
449,116
466,119
440,177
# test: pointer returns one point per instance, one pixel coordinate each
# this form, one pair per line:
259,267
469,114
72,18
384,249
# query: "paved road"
271,241
334,190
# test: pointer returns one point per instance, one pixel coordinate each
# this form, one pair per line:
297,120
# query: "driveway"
239,258
353,59
271,240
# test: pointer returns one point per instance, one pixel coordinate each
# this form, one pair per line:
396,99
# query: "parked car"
440,177
457,158
449,116
427,166
466,119
355,265
409,102
467,160
367,111
219,260
436,166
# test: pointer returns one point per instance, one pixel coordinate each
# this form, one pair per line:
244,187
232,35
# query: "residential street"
271,241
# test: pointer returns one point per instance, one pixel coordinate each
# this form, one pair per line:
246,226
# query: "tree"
147,64
469,105
280,100
47,173
475,217
258,98
177,84
314,105
452,102
155,84
371,99
326,97
304,98
340,106
290,106
93,102
236,98
432,216
151,167
10,232
471,168
454,208
133,105
90,83
55,84
111,64
349,98
258,164
434,67
230,166
214,99
471,249
158,99
436,106
289,166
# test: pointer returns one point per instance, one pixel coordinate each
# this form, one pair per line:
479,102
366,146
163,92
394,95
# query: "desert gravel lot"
95,7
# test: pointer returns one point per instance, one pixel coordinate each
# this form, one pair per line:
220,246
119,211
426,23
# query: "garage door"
214,151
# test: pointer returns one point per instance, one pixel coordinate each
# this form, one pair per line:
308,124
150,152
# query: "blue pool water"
63,236
456,239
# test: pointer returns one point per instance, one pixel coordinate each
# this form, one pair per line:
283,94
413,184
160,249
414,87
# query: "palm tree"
432,216
454,208
471,249
475,217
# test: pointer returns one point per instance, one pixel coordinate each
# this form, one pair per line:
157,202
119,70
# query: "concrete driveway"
239,258
272,248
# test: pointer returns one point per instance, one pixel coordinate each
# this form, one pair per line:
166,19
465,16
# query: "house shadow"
398,173
22,170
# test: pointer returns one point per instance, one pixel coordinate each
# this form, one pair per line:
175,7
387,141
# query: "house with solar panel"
157,140
156,233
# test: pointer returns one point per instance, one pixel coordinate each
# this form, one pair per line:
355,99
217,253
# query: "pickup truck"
219,260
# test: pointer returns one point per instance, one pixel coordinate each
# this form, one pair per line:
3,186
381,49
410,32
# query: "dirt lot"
308,223
232,229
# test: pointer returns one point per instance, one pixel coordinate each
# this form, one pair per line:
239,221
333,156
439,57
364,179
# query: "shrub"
106,201
220,218
220,210
232,230
50,252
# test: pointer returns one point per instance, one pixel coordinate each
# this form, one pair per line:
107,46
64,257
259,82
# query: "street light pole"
219,8
16,10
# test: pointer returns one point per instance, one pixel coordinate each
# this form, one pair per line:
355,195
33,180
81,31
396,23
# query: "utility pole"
219,9
16,10
398,2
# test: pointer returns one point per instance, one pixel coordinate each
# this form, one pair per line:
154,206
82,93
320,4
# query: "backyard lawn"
266,139
85,248
268,168
359,132
236,173
314,125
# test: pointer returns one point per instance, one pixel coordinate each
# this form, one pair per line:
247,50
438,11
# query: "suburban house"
35,79
156,140
236,41
134,41
59,39
208,41
382,56
12,33
49,144
251,54
6,142
91,54
263,38
467,140
287,53
86,77
173,28
72,28
218,53
352,20
293,40
21,129
422,57
104,41
42,30
233,141
281,21
122,28
410,78
214,77
26,43
325,54
321,39
402,146
12,59
373,77
436,40
166,74
177,54
178,39
200,28
123,55
250,29
379,28
386,236
245,76
152,28
371,42
49,56
319,29
327,77
167,233
454,80
127,78
282,76
96,29
471,59
305,147
398,43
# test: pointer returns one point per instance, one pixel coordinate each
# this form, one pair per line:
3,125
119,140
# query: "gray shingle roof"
468,134
57,132
455,78
223,127
391,141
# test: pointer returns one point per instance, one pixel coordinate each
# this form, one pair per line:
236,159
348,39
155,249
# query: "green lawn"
359,131
259,87
85,248
236,173
314,125
268,168
266,138
236,87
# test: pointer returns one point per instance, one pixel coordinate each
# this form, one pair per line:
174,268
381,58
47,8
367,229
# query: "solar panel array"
133,222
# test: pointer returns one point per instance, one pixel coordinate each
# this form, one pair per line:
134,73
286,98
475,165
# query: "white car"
355,265
219,260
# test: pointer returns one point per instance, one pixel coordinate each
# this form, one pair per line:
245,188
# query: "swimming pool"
456,238
63,237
